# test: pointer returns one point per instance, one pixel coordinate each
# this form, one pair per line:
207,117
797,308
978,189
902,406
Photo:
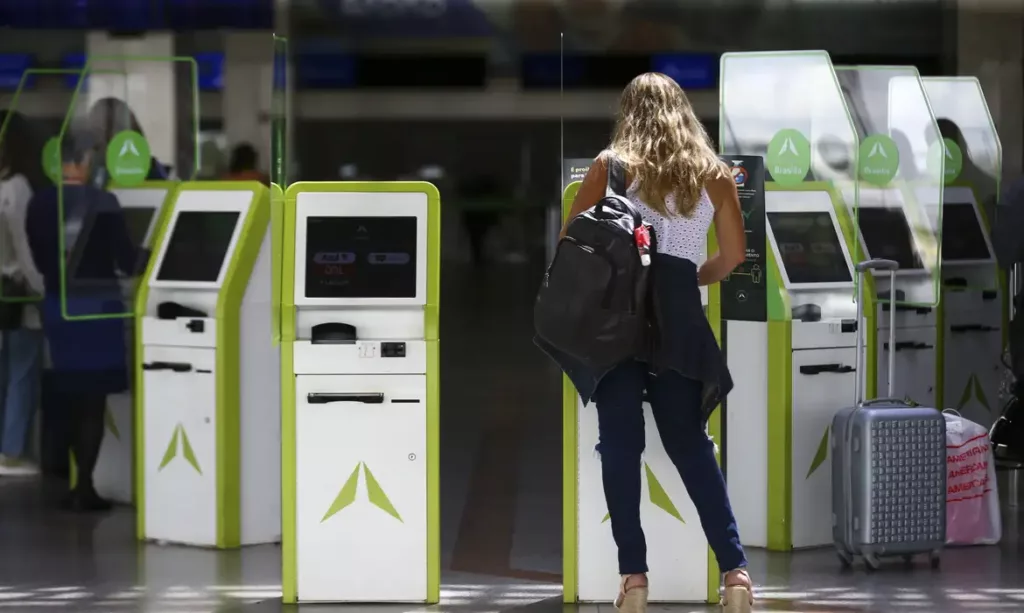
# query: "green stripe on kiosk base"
359,383
206,378
589,558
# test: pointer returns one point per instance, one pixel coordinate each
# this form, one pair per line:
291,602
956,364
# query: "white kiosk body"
359,384
208,412
113,476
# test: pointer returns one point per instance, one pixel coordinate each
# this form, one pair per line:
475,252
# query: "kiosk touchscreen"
791,374
972,310
359,381
885,232
682,568
206,384
143,213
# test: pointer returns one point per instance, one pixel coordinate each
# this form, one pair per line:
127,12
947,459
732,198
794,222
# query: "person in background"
88,358
243,166
21,341
110,116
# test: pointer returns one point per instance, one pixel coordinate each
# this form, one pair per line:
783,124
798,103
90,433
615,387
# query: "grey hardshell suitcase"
888,468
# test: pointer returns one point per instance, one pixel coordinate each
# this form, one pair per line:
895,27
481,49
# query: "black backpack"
593,301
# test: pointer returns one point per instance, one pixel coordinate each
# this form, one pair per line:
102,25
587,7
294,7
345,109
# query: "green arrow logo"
659,497
186,450
820,455
973,388
374,492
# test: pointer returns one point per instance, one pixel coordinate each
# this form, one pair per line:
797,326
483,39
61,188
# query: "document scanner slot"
175,366
328,398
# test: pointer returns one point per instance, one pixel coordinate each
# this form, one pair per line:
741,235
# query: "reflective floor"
501,512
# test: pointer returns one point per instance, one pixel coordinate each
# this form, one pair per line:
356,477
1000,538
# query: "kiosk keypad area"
209,408
360,381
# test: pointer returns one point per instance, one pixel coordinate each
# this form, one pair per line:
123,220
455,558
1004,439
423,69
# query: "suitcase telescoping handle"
862,268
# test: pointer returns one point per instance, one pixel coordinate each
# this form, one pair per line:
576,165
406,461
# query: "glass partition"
787,108
898,209
28,135
279,170
108,141
969,134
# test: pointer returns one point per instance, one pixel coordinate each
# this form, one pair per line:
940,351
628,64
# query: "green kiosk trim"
204,369
360,395
588,551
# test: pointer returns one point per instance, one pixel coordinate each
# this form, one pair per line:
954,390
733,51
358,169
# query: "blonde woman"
681,188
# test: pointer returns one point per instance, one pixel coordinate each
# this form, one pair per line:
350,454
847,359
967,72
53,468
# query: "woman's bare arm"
592,191
732,238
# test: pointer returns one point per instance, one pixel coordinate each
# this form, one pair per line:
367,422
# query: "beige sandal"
738,595
633,600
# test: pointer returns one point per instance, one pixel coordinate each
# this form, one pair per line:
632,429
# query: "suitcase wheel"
935,558
845,557
871,562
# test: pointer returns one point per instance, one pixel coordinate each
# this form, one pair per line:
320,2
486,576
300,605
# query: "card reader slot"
328,398
972,328
900,346
405,401
174,366
817,369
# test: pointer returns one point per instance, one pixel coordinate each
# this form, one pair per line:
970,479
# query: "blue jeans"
676,404
20,364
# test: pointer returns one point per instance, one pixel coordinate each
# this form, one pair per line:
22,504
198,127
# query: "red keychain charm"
642,236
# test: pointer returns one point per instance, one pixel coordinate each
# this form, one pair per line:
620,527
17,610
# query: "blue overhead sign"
12,68
411,18
689,70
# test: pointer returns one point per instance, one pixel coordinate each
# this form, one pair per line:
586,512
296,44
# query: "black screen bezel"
839,243
172,232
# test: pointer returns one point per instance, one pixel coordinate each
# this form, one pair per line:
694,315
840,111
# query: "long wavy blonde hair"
663,145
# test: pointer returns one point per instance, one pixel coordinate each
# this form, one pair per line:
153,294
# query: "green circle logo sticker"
879,160
947,155
128,158
789,157
51,160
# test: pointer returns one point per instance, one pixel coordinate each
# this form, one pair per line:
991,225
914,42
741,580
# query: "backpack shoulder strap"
616,185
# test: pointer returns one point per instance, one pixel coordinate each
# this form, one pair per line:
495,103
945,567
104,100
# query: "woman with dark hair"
111,116
21,339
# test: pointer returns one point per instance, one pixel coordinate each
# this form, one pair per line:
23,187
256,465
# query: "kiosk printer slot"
886,232
972,310
359,380
206,382
144,209
682,569
792,373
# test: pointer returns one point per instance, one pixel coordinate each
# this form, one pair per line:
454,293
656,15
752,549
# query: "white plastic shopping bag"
972,500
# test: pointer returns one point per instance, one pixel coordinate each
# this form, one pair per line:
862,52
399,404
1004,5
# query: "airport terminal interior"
281,353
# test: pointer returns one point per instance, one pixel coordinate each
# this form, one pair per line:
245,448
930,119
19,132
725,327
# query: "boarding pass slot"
328,398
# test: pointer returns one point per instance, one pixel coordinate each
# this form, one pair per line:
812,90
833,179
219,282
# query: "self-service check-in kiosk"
144,209
791,372
359,378
890,229
682,568
207,390
972,312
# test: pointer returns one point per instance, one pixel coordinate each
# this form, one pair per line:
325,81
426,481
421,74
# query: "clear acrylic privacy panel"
787,108
278,169
29,147
962,114
129,121
898,209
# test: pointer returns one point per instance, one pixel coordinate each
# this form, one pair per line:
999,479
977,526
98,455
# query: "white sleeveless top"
678,236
